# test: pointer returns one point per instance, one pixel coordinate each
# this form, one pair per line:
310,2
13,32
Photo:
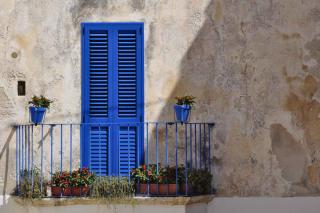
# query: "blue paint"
112,93
37,114
182,113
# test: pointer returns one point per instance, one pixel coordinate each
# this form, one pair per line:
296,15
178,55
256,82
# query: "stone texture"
253,66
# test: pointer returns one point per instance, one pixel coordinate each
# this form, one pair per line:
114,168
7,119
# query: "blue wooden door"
112,97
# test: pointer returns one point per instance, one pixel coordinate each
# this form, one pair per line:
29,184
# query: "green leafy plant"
201,181
167,175
146,174
185,100
81,177
30,184
112,188
40,101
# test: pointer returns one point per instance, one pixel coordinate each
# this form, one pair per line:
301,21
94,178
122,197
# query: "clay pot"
183,190
80,191
153,188
56,191
142,188
168,189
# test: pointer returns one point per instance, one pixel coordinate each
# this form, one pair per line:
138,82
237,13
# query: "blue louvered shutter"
112,97
96,100
129,95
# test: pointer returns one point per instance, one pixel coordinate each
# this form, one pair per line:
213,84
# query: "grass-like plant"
112,188
30,185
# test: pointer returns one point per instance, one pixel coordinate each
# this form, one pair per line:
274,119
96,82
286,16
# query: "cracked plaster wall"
253,66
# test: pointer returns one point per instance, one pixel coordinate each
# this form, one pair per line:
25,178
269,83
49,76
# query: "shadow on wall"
4,156
197,72
197,78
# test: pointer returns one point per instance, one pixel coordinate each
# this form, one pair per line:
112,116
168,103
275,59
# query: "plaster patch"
289,153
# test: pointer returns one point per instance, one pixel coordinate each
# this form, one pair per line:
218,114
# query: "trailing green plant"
185,100
112,188
30,184
40,101
81,177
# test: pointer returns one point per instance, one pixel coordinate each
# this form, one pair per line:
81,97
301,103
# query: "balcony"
169,159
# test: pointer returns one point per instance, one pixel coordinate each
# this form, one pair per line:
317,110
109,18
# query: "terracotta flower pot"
66,191
142,188
80,191
56,191
168,189
153,189
183,190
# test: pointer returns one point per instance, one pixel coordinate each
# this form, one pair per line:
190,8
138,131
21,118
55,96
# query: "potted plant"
185,184
38,108
80,181
200,180
59,182
168,181
75,183
182,108
144,176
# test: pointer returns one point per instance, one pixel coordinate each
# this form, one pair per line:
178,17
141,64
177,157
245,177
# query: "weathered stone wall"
253,66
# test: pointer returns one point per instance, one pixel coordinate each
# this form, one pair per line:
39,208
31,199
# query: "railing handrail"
113,123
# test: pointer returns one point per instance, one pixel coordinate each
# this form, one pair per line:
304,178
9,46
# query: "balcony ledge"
169,201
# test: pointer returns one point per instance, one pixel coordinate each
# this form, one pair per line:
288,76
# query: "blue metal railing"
175,145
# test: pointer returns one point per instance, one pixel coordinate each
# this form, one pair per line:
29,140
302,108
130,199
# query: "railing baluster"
190,147
51,150
167,148
128,139
176,147
41,176
186,156
209,137
61,146
32,159
99,152
205,147
118,130
22,150
28,152
200,151
147,161
157,160
70,148
195,146
17,158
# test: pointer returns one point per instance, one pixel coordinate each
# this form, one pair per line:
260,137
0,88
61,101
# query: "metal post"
61,147
176,147
41,175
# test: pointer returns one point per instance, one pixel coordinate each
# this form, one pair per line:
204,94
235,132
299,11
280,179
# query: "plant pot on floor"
142,188
168,189
56,191
183,189
80,191
182,113
37,114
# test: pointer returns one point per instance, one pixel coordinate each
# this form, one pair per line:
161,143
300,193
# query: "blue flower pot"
37,114
182,113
